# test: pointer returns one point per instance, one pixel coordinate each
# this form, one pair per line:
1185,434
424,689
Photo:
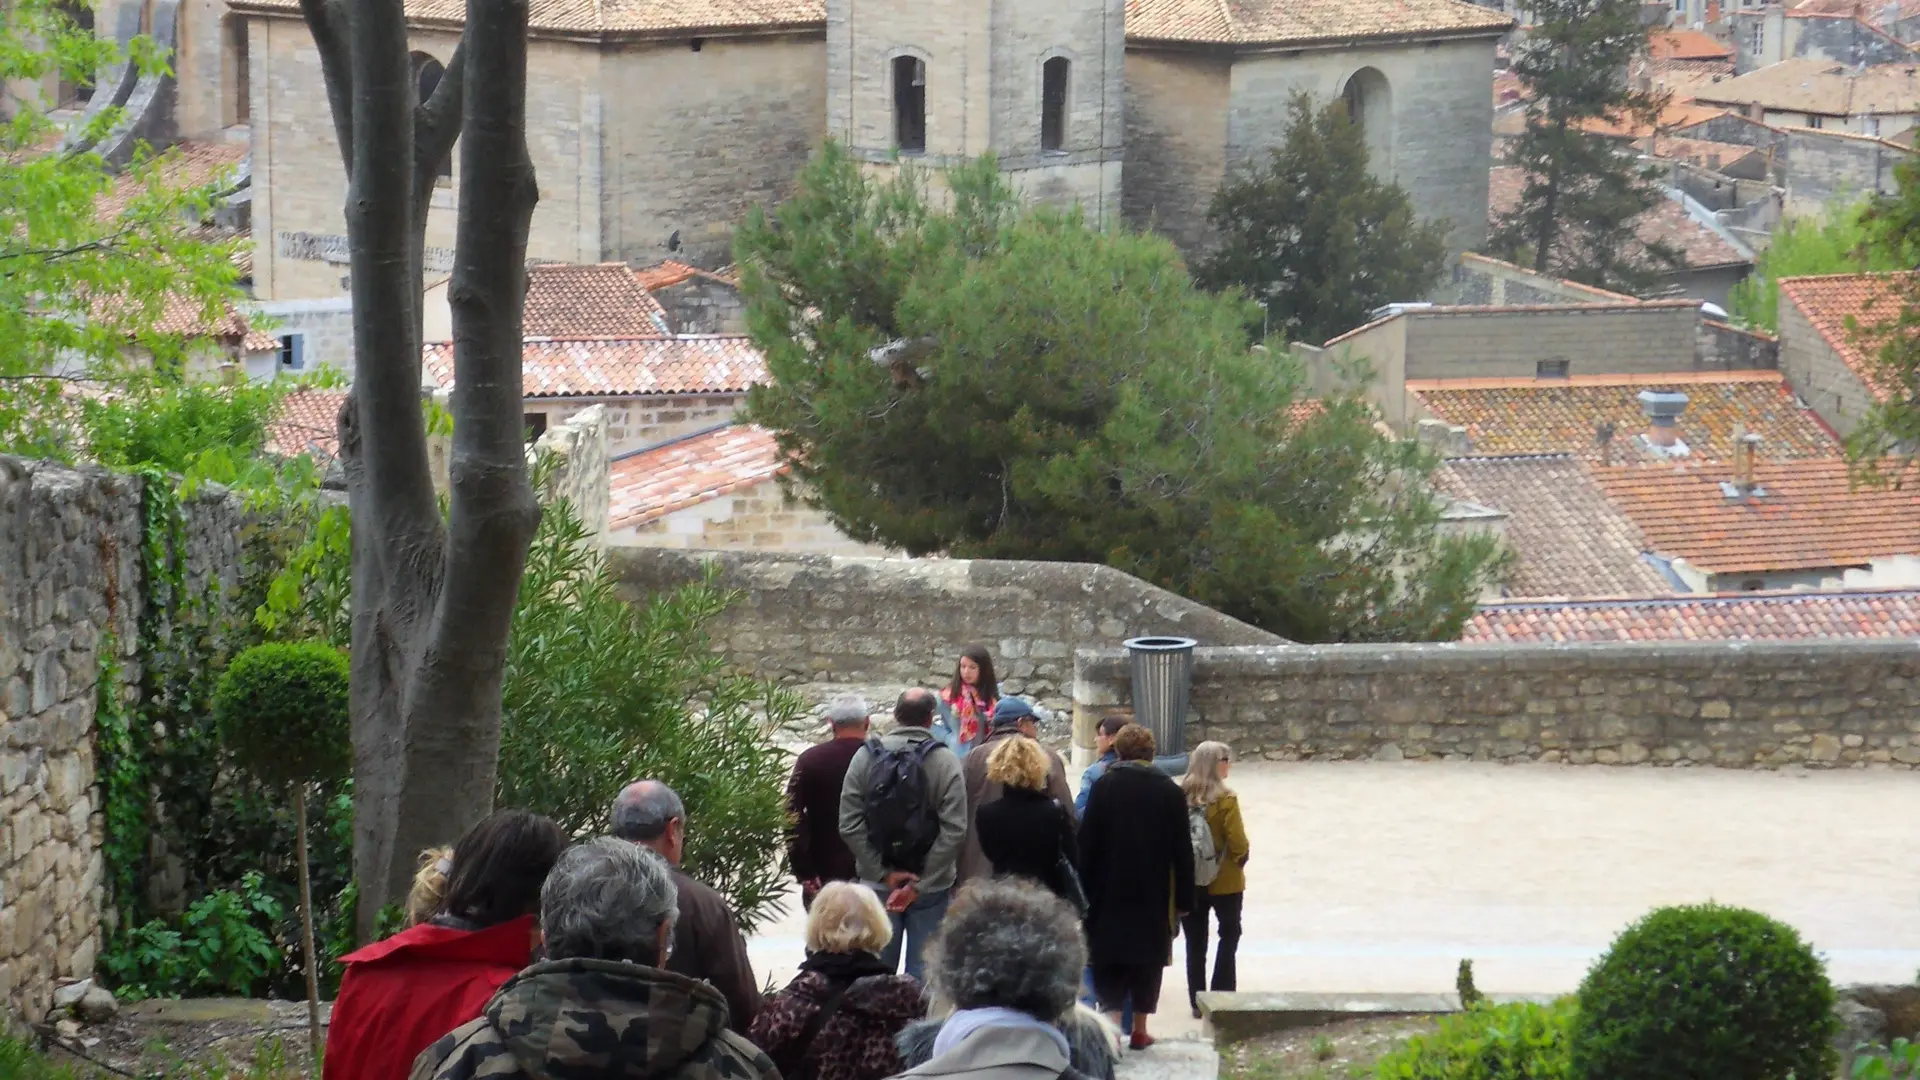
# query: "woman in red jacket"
401,994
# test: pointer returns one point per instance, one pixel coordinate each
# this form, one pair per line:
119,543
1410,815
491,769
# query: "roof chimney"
1663,409
1746,447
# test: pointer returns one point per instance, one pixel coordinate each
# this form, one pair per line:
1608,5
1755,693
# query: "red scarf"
971,708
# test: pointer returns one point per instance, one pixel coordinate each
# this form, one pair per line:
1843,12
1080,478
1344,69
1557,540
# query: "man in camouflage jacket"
600,1007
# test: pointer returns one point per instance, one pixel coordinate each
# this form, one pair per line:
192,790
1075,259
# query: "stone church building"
655,124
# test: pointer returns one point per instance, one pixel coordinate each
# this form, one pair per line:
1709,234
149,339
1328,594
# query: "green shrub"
1520,1041
599,691
1706,992
282,710
223,944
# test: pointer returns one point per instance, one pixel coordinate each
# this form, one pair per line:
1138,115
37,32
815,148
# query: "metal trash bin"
1162,683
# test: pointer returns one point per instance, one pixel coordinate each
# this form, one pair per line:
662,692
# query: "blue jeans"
914,926
1087,999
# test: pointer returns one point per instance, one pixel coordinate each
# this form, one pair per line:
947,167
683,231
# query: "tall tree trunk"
306,930
432,600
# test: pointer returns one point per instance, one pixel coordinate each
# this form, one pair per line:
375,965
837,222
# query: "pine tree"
991,382
1583,190
1315,238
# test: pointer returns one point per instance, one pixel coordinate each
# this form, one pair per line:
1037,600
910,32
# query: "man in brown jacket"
1011,717
706,941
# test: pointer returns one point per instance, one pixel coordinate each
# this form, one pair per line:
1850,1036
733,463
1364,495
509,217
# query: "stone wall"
1595,339
1824,704
1478,279
70,545
644,420
325,328
581,466
1724,347
760,517
703,305
1817,168
899,622
1818,373
1176,152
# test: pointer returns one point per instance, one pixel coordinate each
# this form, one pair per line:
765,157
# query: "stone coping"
1235,1017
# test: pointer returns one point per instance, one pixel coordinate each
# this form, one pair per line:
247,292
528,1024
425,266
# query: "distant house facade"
1881,100
1828,343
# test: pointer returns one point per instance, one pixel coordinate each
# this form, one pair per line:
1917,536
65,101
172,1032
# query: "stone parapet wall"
1824,704
70,581
883,622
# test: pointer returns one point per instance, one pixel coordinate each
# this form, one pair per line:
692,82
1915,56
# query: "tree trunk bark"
432,600
306,931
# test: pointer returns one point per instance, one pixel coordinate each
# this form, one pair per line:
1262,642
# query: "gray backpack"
1206,857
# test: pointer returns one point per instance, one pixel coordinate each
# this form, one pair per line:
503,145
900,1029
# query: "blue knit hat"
1009,711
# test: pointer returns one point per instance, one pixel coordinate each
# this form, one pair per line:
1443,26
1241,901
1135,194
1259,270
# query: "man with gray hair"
706,941
600,1005
815,852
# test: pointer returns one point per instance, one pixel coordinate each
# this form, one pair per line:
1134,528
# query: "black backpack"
902,820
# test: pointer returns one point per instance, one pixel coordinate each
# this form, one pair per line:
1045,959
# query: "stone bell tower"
1035,82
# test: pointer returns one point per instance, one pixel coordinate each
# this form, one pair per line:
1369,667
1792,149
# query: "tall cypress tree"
1575,215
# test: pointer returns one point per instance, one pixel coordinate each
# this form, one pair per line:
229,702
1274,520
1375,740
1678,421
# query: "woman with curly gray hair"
1007,960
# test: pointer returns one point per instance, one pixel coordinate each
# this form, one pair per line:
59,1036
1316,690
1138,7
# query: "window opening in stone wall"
75,93
1369,104
293,352
1550,369
1053,102
240,108
910,104
535,424
427,73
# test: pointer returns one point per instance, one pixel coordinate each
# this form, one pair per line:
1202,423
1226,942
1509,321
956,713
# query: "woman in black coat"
1136,863
1025,832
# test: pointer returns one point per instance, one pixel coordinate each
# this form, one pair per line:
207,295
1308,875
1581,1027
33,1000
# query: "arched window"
427,73
910,104
76,93
1054,76
1369,102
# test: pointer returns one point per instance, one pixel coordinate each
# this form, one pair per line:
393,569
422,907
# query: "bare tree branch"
327,22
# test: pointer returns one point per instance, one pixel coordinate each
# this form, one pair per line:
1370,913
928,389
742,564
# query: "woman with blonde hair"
1214,813
1025,833
429,885
838,1018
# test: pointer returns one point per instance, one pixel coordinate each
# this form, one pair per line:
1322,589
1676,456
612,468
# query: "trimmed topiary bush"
1706,993
1520,1041
281,711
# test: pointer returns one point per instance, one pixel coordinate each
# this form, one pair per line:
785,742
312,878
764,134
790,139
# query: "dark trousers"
1225,975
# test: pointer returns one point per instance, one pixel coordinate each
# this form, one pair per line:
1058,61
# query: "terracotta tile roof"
187,165
665,273
1568,539
1280,22
1809,517
184,317
613,18
1824,87
1532,416
626,367
307,422
568,301
1686,45
1702,152
1676,114
1893,613
688,471
1846,309
1668,223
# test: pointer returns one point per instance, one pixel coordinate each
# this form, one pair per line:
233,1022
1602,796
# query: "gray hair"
1008,943
848,710
644,809
607,899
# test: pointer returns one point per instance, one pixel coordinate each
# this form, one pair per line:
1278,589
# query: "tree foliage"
1582,190
281,709
1837,242
1314,237
82,277
1050,391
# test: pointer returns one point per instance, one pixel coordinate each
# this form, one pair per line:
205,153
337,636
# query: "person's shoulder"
693,890
730,1056
473,1050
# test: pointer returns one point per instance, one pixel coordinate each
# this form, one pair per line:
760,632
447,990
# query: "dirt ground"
202,1039
1333,1052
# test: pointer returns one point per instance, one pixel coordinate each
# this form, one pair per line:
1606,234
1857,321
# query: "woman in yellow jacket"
1209,797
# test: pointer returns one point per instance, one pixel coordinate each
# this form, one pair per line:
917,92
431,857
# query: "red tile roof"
1847,310
688,471
1808,516
1667,222
308,422
1686,45
625,367
1568,540
1534,416
614,18
187,165
568,301
1724,617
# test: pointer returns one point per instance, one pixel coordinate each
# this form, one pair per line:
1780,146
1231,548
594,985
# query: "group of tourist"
961,790
961,852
